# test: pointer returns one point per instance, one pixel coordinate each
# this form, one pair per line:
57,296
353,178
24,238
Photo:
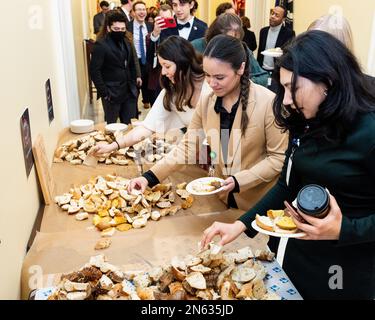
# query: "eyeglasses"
117,29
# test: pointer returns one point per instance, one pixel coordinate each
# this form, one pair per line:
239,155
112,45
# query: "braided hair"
233,51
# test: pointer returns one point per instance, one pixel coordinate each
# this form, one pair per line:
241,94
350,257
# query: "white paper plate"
82,126
206,180
114,127
273,54
276,234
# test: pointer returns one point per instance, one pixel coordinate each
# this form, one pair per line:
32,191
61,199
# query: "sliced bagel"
264,222
285,223
273,214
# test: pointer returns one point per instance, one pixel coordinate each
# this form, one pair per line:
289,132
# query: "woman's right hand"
227,231
102,149
138,184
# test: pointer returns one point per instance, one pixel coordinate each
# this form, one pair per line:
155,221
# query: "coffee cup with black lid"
313,200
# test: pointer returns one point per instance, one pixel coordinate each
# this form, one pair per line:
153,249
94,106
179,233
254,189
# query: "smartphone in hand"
294,213
169,23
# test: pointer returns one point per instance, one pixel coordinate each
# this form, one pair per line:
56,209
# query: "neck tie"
181,26
142,46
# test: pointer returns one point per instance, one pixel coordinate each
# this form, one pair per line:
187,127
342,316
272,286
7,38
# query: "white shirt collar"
136,23
191,21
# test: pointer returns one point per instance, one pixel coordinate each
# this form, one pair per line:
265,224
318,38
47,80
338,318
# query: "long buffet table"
64,244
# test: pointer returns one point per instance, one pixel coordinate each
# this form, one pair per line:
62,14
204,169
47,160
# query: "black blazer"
371,80
198,31
127,21
112,75
98,21
285,35
350,176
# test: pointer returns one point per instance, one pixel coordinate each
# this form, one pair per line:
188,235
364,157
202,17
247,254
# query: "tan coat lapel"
236,134
211,130
213,126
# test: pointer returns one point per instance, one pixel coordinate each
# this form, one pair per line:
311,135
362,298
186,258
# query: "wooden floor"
95,111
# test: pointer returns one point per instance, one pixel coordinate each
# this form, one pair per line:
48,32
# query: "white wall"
371,53
34,51
360,15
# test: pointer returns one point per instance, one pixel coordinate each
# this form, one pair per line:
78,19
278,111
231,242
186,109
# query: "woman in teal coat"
231,24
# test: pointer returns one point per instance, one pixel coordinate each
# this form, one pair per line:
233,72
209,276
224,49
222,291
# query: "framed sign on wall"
27,141
51,114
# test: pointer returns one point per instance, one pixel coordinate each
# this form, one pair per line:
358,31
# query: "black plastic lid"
313,200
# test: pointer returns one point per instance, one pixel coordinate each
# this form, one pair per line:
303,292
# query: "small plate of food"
205,186
277,223
274,52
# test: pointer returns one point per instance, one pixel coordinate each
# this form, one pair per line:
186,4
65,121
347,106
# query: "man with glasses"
140,30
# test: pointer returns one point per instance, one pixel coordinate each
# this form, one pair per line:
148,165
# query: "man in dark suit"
188,26
276,35
140,30
113,70
100,17
126,8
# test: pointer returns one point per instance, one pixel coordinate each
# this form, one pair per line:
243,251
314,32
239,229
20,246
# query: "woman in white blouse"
182,80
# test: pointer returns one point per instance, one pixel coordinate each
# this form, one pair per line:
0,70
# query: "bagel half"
285,225
273,214
264,222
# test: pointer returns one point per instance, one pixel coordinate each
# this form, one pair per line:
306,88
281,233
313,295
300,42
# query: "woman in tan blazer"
236,118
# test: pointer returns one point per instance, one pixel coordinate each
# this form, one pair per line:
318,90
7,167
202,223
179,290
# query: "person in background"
114,69
154,87
336,25
249,36
166,11
236,118
225,7
152,13
230,24
99,18
140,29
126,9
325,103
183,83
188,26
339,27
274,36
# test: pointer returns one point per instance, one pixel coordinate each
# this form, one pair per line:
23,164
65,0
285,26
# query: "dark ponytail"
231,50
245,91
